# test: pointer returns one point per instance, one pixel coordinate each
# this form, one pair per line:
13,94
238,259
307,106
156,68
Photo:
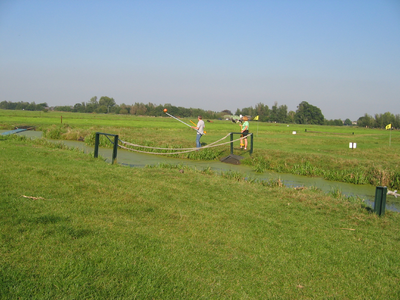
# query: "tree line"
305,113
23,106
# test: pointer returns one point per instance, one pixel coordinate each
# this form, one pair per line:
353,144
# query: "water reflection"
366,192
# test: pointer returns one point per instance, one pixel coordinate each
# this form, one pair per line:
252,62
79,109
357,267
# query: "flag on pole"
388,126
256,119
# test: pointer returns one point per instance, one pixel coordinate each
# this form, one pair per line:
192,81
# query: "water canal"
134,159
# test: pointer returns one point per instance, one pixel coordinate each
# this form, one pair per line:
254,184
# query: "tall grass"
356,174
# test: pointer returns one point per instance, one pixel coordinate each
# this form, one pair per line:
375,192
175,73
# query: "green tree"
102,109
31,106
262,111
159,111
366,121
8,105
138,109
227,112
308,114
337,122
123,111
94,101
274,113
41,106
107,102
21,105
92,105
348,122
382,120
291,116
282,114
79,107
396,123
63,108
247,111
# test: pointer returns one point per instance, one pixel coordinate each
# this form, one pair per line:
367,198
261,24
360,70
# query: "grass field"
313,151
74,227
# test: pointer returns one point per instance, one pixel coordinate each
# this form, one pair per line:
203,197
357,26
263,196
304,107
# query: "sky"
342,56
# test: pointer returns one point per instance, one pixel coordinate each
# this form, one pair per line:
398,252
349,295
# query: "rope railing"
186,150
158,148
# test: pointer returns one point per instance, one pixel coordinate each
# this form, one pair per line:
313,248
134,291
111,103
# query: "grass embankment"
88,229
313,151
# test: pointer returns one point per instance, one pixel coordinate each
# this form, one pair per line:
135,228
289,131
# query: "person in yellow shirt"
245,132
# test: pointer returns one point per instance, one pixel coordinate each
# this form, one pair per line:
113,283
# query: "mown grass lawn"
88,229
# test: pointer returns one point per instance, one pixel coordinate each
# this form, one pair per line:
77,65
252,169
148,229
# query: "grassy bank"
75,227
313,151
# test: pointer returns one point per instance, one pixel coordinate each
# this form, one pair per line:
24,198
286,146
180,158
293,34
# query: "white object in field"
352,145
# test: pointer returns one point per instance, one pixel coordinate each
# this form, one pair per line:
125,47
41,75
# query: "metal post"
115,145
231,143
96,145
114,157
380,200
251,146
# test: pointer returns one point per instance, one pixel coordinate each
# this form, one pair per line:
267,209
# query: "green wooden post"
115,146
114,157
96,145
231,143
380,200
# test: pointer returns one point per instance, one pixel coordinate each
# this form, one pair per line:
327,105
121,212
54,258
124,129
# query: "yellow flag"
256,118
389,126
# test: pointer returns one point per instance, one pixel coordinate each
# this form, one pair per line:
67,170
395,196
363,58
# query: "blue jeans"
198,144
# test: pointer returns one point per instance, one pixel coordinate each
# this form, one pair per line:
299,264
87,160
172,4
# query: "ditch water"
134,159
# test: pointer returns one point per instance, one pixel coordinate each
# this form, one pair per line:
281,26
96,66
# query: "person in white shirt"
200,130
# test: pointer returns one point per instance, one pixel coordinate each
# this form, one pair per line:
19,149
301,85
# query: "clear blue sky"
342,56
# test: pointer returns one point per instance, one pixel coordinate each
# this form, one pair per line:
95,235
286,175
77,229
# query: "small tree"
226,112
102,109
348,122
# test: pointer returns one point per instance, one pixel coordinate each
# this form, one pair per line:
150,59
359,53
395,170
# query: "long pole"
179,120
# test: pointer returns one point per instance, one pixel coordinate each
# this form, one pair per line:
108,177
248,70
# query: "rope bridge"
131,146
